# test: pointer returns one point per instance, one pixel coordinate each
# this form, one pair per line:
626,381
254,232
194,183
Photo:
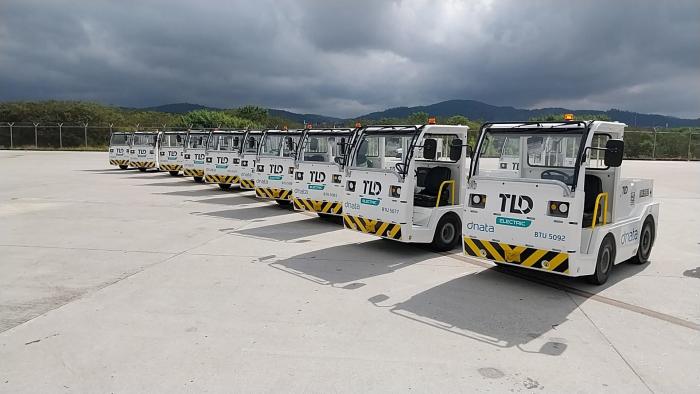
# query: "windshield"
197,141
171,140
224,142
536,154
252,143
145,139
120,139
380,151
272,144
323,147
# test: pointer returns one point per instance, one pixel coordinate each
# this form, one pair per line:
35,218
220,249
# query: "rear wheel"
123,167
604,264
224,186
646,241
174,173
446,233
142,169
198,179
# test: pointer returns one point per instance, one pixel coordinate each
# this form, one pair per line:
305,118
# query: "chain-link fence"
661,145
14,135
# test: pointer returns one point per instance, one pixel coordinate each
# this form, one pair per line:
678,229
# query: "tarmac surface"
122,281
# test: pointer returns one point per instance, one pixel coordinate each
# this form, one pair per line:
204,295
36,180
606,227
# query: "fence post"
137,126
85,125
36,139
12,145
60,135
653,149
690,143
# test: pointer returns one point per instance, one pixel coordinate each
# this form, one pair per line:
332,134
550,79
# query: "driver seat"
433,179
591,188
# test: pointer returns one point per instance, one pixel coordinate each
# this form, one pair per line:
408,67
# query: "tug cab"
318,177
274,166
402,183
170,151
194,154
119,149
565,208
143,150
248,153
222,158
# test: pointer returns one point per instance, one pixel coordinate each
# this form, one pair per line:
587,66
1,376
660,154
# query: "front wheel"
605,261
198,179
284,203
142,169
123,167
224,186
446,234
646,241
174,173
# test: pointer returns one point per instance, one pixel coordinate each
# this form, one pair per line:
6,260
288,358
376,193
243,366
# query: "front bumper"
143,164
329,207
193,172
222,179
372,226
273,193
522,256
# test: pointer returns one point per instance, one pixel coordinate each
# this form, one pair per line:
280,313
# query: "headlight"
260,168
162,153
187,156
208,159
244,163
395,191
504,166
351,186
236,161
299,176
337,178
291,170
152,151
559,209
477,200
111,150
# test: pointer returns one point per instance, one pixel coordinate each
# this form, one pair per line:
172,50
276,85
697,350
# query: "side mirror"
456,149
400,168
614,150
429,148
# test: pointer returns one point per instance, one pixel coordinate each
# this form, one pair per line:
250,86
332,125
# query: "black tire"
646,241
142,169
284,203
174,173
123,167
447,233
224,186
604,262
198,179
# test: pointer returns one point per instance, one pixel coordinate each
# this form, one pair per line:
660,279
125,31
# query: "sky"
347,58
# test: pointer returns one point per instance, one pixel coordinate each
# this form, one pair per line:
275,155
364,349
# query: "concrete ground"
121,281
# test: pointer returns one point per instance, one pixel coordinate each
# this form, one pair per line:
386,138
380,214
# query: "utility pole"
85,125
60,135
12,145
36,139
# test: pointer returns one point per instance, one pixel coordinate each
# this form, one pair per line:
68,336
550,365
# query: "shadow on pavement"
291,230
342,266
199,192
491,308
234,199
252,213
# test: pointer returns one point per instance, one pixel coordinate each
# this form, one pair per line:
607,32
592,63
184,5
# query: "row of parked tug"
547,196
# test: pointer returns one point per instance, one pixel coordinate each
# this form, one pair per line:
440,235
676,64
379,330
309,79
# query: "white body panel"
119,154
274,177
319,187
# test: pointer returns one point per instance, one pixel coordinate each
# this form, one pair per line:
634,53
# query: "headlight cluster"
208,159
151,152
111,150
351,186
395,191
558,208
236,161
337,178
299,176
291,170
187,156
244,163
504,166
477,200
260,168
162,153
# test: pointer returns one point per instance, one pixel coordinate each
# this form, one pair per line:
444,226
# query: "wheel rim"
646,241
448,233
605,260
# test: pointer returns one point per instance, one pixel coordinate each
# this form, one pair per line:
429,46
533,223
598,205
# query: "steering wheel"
400,168
557,176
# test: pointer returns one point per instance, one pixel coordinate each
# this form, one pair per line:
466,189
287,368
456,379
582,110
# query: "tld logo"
517,204
142,151
318,176
172,153
199,156
222,160
275,168
373,188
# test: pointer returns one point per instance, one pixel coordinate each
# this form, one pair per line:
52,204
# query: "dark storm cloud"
347,58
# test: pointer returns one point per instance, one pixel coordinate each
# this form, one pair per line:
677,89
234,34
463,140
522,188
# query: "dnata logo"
513,222
275,177
487,228
630,236
316,187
